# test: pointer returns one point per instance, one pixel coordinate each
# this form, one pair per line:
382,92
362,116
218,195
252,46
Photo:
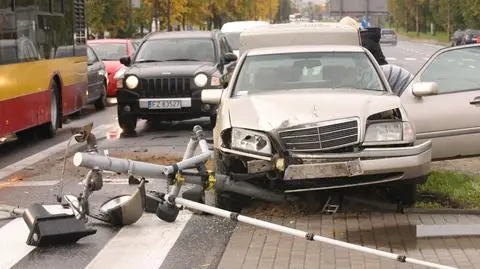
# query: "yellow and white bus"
43,64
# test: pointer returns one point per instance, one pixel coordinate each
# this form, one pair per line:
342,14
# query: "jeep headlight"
131,82
251,141
389,133
200,80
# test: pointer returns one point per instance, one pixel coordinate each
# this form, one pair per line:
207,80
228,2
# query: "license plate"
165,104
324,170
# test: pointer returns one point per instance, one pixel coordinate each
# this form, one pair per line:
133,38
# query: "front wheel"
101,102
127,122
49,130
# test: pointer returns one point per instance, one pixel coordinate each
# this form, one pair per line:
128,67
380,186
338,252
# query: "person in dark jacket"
371,40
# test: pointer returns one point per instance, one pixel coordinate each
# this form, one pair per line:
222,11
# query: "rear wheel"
49,129
127,122
101,102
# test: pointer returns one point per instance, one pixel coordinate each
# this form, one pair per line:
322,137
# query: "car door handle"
475,101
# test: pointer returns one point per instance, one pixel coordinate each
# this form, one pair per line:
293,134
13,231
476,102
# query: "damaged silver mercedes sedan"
302,118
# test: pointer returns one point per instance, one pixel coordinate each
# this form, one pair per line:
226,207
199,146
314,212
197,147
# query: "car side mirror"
211,97
125,61
230,57
420,89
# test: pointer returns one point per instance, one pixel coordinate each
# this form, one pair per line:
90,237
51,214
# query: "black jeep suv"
165,78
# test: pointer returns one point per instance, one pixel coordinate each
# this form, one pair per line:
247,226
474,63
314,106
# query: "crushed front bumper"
369,166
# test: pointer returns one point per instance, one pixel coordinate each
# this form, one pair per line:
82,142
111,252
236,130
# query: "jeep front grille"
324,136
166,87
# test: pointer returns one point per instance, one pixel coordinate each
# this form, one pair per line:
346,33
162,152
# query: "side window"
92,58
455,70
8,34
228,48
222,47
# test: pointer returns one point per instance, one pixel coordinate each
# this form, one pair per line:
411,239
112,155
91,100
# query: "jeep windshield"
307,70
178,49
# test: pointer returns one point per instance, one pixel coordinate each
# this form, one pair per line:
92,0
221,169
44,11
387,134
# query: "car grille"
166,87
322,137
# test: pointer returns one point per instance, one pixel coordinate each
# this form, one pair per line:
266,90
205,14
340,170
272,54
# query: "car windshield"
110,51
233,39
387,32
178,49
307,70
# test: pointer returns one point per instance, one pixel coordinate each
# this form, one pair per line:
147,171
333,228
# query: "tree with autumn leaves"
120,19
444,15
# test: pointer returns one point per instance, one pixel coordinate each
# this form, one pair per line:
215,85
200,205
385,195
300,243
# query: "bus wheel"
101,102
49,129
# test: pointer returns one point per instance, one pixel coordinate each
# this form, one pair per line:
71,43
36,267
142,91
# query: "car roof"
181,34
109,40
304,48
303,27
239,26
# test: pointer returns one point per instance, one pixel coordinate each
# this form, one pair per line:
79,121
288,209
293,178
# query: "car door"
96,75
450,118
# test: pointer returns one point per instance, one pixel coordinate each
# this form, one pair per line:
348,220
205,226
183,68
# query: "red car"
110,51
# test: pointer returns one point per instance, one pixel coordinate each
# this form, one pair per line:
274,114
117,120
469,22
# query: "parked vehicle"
388,36
97,81
298,118
164,80
110,51
457,37
470,36
43,76
232,31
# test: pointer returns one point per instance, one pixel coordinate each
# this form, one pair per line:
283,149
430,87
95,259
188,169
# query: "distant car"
457,37
164,79
388,36
470,36
97,81
110,51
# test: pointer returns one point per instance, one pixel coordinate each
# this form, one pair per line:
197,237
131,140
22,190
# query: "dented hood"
281,109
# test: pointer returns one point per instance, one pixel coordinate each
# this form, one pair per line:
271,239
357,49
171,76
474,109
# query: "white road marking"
12,244
390,59
426,58
410,59
13,238
468,60
27,183
100,131
144,244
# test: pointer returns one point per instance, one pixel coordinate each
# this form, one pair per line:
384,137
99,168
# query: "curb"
392,207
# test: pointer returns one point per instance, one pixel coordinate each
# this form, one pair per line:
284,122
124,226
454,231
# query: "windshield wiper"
148,61
183,60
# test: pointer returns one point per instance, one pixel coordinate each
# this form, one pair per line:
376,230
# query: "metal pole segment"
298,233
191,147
124,166
12,209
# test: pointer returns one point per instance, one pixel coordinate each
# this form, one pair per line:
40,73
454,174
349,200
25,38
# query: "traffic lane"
15,151
210,234
410,55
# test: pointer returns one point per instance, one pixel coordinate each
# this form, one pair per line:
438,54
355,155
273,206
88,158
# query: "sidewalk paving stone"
252,247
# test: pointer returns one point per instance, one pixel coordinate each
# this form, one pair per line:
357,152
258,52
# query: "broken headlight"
389,133
251,141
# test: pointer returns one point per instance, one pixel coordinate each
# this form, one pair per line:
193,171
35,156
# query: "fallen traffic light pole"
177,174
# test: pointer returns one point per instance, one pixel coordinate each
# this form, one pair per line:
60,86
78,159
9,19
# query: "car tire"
222,200
128,123
101,102
49,129
405,193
